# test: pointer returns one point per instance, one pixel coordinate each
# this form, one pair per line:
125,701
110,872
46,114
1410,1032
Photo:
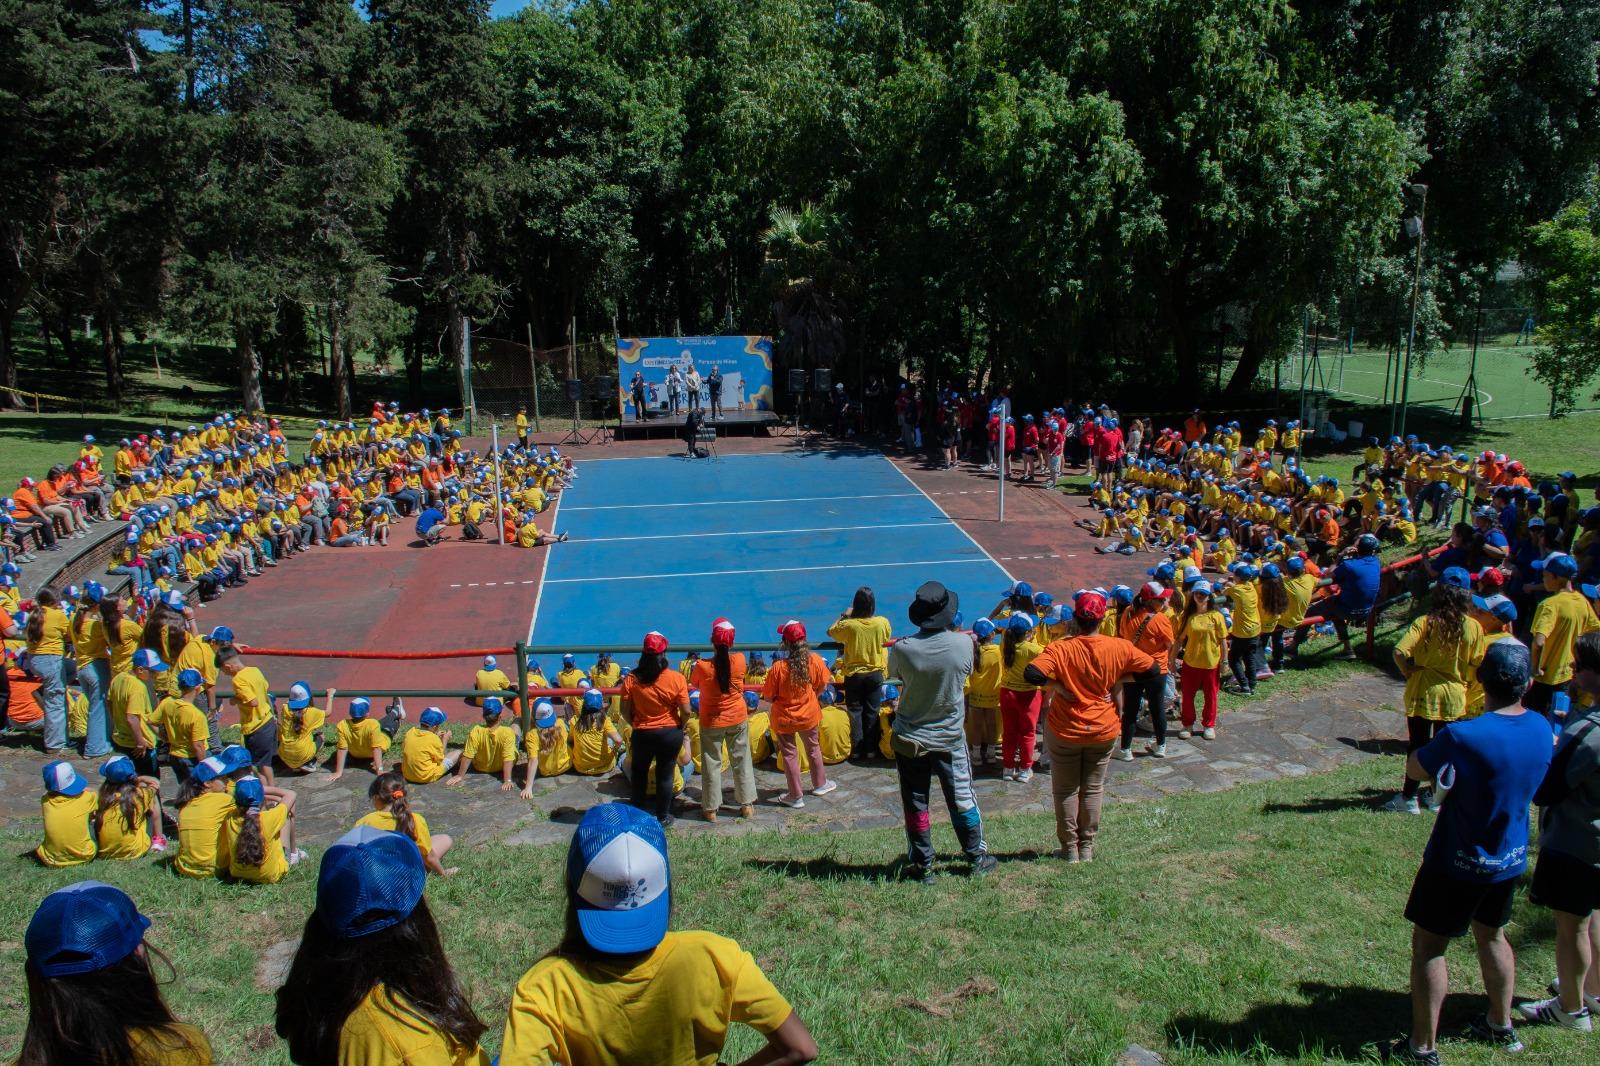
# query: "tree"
1565,256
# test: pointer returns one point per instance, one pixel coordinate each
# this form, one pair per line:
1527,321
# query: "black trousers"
1138,692
863,693
955,780
660,747
1242,661
1418,732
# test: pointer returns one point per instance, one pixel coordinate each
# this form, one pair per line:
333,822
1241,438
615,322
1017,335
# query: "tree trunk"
249,369
1265,318
341,369
413,357
111,354
8,362
456,348
70,352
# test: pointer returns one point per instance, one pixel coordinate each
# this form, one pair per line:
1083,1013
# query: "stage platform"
731,423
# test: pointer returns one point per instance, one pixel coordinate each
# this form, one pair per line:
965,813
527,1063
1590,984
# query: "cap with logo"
619,880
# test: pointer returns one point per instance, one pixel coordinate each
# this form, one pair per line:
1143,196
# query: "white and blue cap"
209,769
983,627
490,662
618,879
118,769
235,757
432,717
1021,622
145,659
299,696
544,716
359,707
594,700
221,635
61,779
371,879
492,705
188,679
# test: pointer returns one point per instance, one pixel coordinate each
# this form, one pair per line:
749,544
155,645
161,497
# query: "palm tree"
804,276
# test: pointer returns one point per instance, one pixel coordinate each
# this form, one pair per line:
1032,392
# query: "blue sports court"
670,543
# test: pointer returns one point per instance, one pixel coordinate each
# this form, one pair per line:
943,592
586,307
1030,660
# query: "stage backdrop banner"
746,364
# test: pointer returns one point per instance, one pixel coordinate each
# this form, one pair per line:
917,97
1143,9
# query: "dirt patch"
943,1004
1283,937
273,966
260,1037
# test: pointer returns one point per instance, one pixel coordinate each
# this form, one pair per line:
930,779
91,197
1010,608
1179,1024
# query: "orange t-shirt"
656,706
1330,531
47,492
719,709
23,500
795,710
1089,667
24,708
1156,638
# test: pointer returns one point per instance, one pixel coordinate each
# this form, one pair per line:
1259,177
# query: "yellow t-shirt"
296,747
118,839
274,865
67,840
421,756
671,1008
863,640
1299,589
419,828
171,1045
1246,600
250,693
127,642
983,684
185,726
1202,640
201,839
833,735
591,754
361,737
489,748
1437,690
554,758
128,701
53,640
1562,618
488,681
383,1030
89,637
1011,676
201,657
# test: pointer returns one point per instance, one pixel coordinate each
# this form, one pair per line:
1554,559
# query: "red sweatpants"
1019,719
1202,680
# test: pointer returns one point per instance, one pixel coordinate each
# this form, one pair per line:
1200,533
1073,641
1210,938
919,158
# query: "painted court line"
927,522
1009,576
538,593
726,503
772,570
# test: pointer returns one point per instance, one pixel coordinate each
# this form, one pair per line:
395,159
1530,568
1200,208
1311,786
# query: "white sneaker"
1123,754
1156,751
297,856
1024,776
1210,733
1591,1002
827,787
1185,733
1401,805
792,802
1009,773
1549,1012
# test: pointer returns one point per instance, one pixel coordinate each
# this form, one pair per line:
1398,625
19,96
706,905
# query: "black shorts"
263,743
1563,883
1447,906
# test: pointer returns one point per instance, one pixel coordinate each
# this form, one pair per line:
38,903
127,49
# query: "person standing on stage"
714,389
692,381
638,396
674,390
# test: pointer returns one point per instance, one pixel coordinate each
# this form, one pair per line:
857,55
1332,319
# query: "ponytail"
390,790
191,788
44,599
250,847
121,796
1008,647
722,664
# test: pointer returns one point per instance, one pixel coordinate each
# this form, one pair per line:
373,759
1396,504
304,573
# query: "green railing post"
522,687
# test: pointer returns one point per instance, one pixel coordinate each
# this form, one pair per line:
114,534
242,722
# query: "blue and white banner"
745,362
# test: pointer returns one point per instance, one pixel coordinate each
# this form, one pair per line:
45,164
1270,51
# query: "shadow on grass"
1375,745
1367,798
827,868
1342,1020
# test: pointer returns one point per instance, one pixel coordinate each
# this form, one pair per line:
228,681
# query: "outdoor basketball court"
671,543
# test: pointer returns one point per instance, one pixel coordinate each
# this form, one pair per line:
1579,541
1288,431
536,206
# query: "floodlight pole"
499,499
1421,192
1005,415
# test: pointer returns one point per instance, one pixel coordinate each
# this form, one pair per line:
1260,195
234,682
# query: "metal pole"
1416,288
499,496
522,684
1005,415
1305,320
533,369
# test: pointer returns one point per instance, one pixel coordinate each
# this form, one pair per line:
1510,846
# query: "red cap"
1091,607
1491,576
722,633
792,632
655,643
1154,590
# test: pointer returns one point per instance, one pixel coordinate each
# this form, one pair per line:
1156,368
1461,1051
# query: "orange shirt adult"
795,708
719,709
24,502
1194,429
47,493
656,705
1154,639
1088,667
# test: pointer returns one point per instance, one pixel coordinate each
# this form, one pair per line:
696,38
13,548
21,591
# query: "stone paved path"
1277,736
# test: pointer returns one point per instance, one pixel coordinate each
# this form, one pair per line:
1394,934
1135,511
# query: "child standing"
66,811
391,811
360,737
491,748
983,691
791,691
127,819
184,725
1203,635
1019,701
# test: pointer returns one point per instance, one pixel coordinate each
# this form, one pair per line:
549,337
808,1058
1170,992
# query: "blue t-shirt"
1482,831
428,519
1358,583
1496,539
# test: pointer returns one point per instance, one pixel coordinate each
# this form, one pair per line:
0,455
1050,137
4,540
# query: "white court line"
930,522
726,503
538,593
1485,396
952,521
773,570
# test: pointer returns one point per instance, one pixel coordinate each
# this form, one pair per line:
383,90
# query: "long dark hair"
88,1017
722,666
42,599
250,847
122,795
1008,646
1274,597
651,666
111,618
865,605
331,975
1447,614
391,789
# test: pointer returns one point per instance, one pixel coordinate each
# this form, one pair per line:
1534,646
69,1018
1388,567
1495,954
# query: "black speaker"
824,378
602,387
574,390
797,381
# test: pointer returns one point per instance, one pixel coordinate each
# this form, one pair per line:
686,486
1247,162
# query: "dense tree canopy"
1072,196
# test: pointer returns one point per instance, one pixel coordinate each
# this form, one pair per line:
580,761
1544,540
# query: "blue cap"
370,880
62,779
188,679
619,880
1295,564
983,628
594,700
1563,566
1500,607
1021,588
1271,570
209,769
1021,622
546,716
492,705
1506,666
221,635
891,693
248,792
1201,587
235,757
1456,577
1591,592
432,717
299,695
752,699
118,769
359,707
146,659
83,928
1043,600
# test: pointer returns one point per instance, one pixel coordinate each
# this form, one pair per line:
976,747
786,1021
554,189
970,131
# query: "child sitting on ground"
66,811
300,727
547,744
258,836
391,811
595,740
360,737
127,819
490,748
424,757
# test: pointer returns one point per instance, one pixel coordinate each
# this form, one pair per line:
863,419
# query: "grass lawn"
1259,924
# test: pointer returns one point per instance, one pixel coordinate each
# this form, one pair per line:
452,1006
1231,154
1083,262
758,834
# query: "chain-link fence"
553,385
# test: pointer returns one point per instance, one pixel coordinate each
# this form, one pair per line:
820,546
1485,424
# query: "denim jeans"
94,677
52,697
